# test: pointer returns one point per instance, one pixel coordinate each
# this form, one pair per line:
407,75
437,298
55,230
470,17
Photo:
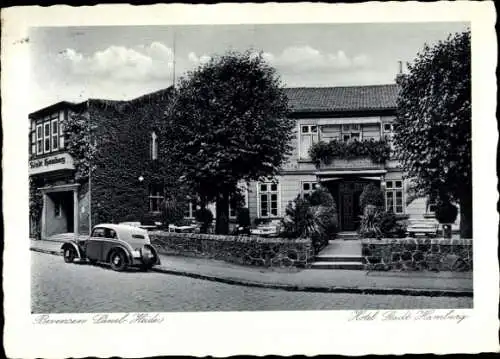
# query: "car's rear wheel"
69,255
118,261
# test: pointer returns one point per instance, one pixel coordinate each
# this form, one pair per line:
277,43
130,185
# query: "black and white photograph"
255,168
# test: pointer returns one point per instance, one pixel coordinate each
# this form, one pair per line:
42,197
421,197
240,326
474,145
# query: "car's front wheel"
69,255
118,261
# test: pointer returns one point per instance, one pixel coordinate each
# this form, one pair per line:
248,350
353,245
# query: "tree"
433,125
228,124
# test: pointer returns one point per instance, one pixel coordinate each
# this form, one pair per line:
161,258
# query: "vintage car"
119,245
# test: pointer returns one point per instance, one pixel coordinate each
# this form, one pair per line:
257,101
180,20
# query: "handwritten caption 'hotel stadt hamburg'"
361,315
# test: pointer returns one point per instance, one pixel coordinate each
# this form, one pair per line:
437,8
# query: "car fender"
122,247
149,246
72,245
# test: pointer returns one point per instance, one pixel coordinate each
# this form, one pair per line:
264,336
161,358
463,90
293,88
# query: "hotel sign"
62,161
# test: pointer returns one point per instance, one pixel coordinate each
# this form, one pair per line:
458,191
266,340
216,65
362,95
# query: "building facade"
125,183
344,115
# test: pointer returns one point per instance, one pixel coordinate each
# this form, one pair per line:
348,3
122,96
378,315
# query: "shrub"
371,195
315,218
205,217
370,224
391,227
321,196
446,212
243,217
149,219
298,221
172,212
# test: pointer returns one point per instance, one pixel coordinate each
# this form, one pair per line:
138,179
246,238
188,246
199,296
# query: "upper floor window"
351,132
268,199
308,136
46,135
154,146
388,130
394,196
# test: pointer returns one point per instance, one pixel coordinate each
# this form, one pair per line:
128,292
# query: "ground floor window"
189,210
155,197
307,188
394,196
268,199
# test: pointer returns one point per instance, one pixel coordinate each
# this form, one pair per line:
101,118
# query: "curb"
298,288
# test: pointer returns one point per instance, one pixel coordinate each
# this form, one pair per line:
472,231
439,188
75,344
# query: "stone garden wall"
423,254
268,252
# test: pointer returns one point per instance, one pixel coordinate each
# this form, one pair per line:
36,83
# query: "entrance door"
347,212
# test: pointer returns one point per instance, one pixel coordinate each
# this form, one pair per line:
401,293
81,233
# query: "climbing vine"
35,202
80,142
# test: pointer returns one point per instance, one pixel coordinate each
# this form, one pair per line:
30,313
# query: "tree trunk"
466,215
222,213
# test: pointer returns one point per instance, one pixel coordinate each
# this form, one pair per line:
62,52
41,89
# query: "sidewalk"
313,280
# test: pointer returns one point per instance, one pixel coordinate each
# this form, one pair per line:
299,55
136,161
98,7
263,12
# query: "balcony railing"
367,154
350,164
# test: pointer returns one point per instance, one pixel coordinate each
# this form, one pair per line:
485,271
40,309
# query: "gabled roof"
342,99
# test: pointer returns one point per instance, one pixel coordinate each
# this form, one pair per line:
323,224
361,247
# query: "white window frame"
190,211
39,139
307,192
350,129
46,124
155,196
393,190
313,135
154,146
54,123
268,192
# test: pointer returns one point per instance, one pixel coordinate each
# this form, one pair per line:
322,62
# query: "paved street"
58,287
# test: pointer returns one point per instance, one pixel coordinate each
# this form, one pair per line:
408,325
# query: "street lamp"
140,178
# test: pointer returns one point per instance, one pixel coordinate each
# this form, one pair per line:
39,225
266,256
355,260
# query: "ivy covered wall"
123,155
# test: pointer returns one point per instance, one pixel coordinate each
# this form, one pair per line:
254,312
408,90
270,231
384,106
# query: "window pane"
47,145
399,194
39,147
314,129
54,142
263,188
387,126
263,205
47,128
399,184
346,138
274,187
274,211
399,209
274,197
390,195
54,127
306,186
39,131
305,145
305,129
389,184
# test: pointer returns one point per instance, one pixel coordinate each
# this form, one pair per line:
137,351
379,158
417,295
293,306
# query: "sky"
123,62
